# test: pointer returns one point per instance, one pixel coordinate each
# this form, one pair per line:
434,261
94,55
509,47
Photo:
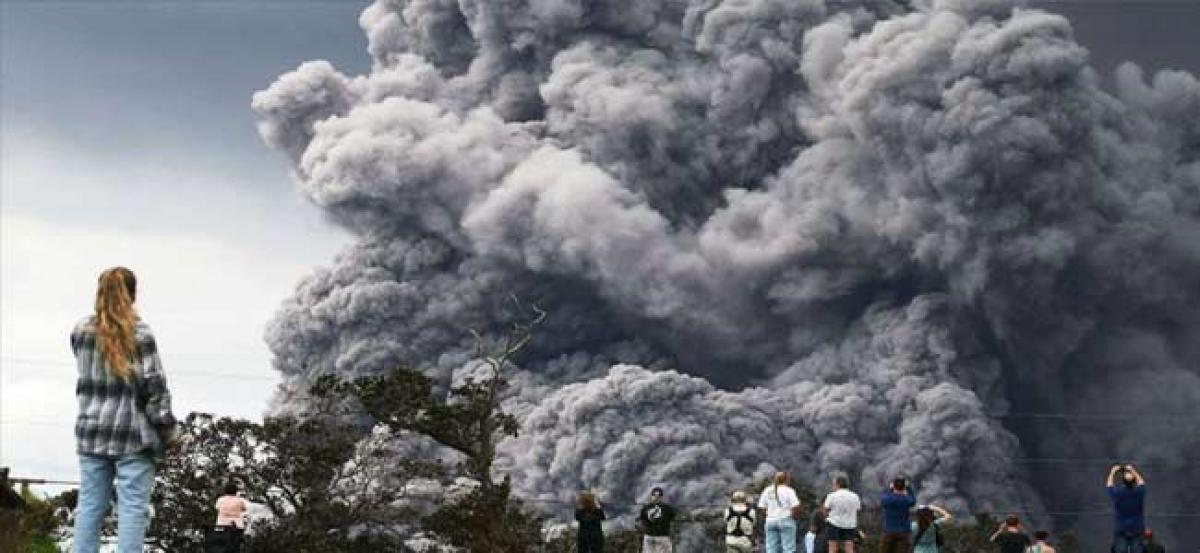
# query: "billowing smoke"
769,234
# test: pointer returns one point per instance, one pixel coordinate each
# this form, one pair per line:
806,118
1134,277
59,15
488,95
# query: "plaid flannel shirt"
119,418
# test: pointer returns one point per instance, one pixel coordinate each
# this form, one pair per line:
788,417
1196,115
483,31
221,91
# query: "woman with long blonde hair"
783,507
125,420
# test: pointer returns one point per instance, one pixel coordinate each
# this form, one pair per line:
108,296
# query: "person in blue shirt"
896,502
1129,507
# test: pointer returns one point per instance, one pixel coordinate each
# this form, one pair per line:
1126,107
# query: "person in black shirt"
817,527
589,515
655,519
1010,538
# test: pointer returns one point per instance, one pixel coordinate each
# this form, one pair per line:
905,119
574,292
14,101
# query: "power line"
169,373
1055,512
1094,417
1088,461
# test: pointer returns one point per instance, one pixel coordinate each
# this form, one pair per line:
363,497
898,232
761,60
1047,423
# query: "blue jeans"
1128,544
134,476
781,536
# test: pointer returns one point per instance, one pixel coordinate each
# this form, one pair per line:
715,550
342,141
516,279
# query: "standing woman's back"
590,517
124,421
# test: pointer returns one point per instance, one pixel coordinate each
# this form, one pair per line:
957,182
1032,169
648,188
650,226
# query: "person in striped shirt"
125,421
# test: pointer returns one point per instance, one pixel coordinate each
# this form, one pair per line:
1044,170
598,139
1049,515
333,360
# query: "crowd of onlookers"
908,527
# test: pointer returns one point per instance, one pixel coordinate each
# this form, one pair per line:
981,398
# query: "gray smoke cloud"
770,234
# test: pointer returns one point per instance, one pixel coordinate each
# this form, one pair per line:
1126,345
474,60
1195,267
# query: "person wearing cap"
1151,545
739,525
655,519
896,501
1010,537
925,529
1039,543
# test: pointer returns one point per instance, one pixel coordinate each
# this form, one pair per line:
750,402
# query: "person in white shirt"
841,516
780,502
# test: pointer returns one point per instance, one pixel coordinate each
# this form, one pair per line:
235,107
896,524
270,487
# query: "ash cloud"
836,236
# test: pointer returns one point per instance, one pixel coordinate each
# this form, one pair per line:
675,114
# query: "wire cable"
170,373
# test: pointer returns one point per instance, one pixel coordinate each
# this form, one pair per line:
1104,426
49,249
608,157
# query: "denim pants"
781,535
134,476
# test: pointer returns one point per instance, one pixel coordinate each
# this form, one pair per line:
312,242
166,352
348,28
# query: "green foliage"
487,520
34,529
38,520
312,474
296,466
40,544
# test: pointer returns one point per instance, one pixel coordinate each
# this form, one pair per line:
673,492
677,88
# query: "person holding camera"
896,502
1127,490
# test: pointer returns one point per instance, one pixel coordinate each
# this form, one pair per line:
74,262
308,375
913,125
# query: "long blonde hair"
115,320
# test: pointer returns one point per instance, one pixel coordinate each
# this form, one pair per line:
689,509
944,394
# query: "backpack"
736,517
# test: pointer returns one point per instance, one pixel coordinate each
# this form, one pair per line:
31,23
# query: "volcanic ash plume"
769,234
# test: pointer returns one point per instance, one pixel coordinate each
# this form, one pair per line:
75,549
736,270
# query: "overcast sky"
127,139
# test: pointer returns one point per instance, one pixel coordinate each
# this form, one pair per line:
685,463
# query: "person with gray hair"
739,525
